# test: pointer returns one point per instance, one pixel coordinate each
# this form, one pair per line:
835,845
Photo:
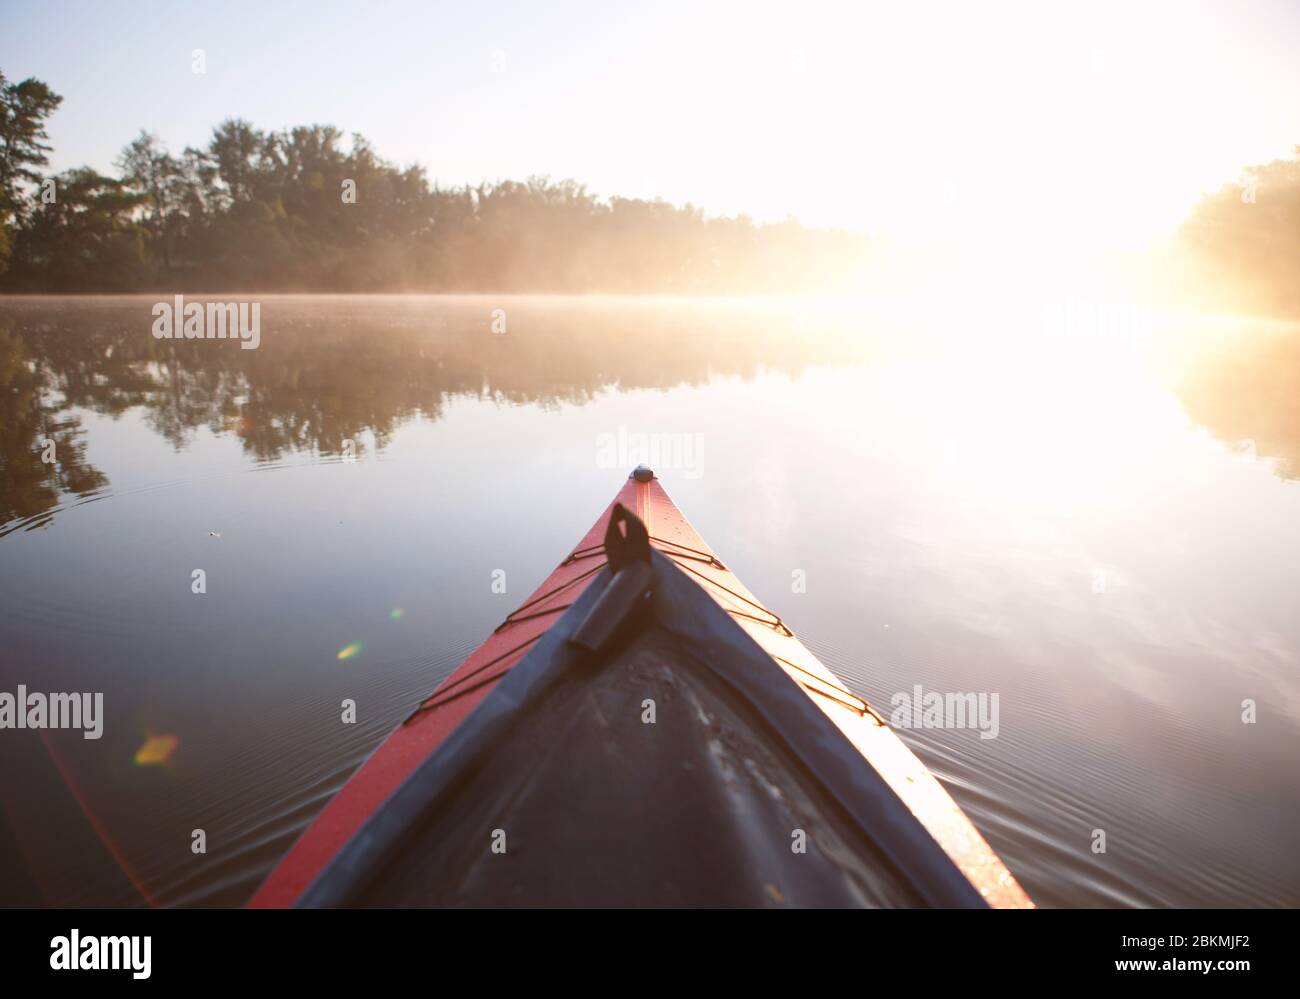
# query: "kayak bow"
642,731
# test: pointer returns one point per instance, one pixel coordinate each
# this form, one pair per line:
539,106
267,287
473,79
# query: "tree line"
310,209
1245,239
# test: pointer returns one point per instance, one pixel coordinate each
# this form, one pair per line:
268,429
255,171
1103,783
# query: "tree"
1246,240
86,240
234,148
23,109
147,167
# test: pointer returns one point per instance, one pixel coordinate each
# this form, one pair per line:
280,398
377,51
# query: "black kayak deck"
677,765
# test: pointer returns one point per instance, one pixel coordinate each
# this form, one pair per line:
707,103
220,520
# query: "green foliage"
256,210
23,109
85,239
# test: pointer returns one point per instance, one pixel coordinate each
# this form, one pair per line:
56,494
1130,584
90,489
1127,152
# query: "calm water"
1103,530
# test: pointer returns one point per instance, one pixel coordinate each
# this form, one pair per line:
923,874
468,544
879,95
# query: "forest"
1245,240
312,209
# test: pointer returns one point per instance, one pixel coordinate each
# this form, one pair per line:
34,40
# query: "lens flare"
348,651
395,614
156,750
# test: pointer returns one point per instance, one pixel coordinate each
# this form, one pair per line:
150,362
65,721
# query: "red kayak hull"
439,715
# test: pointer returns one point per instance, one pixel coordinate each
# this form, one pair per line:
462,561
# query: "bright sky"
1101,120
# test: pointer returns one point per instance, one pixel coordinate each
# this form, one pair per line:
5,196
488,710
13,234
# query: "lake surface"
1099,525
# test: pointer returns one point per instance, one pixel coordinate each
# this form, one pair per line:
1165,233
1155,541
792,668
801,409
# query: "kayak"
642,731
